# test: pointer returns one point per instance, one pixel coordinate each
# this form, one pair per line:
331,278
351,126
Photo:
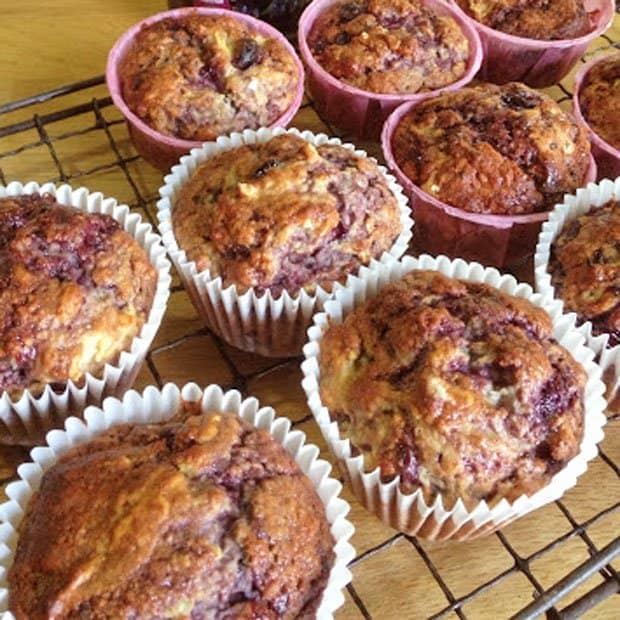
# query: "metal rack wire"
73,134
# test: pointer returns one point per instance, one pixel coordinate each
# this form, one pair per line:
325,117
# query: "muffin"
202,515
542,19
599,99
195,75
389,47
584,265
403,61
501,150
75,290
285,215
455,387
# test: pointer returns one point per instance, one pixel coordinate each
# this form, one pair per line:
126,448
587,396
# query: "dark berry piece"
343,38
520,100
248,53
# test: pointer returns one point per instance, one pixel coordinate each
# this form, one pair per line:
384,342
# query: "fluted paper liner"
161,150
360,112
607,156
153,406
27,419
409,512
258,323
496,240
586,199
539,63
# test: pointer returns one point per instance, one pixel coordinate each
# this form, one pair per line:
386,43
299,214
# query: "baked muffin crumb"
285,215
584,265
75,289
204,516
200,76
454,386
389,47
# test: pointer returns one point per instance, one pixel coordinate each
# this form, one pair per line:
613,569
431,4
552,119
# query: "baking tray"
560,561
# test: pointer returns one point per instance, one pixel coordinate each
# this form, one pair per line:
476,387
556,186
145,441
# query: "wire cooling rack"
561,560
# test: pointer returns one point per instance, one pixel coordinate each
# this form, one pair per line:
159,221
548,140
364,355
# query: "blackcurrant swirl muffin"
599,99
285,215
198,76
388,47
202,516
498,150
75,289
545,20
584,264
455,387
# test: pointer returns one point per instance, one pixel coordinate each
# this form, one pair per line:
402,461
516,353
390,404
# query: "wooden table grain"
47,44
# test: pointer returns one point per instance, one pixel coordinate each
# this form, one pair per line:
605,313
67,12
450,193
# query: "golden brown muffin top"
456,387
285,215
507,150
75,289
389,46
584,264
546,20
205,517
201,76
599,99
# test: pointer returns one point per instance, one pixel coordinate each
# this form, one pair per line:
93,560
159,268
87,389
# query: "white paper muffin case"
153,406
248,321
409,512
27,419
585,199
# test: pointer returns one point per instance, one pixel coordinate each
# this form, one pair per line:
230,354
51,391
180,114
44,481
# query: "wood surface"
48,44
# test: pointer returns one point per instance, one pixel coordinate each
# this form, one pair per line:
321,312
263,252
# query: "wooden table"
48,44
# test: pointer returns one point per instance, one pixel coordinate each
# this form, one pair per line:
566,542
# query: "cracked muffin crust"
285,215
599,99
584,264
203,516
545,20
389,47
454,386
75,289
504,150
201,76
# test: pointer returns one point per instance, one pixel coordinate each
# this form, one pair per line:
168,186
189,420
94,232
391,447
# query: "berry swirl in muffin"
75,289
200,76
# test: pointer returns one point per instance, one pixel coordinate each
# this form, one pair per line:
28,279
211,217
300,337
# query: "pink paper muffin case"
607,157
494,240
164,151
358,112
538,63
